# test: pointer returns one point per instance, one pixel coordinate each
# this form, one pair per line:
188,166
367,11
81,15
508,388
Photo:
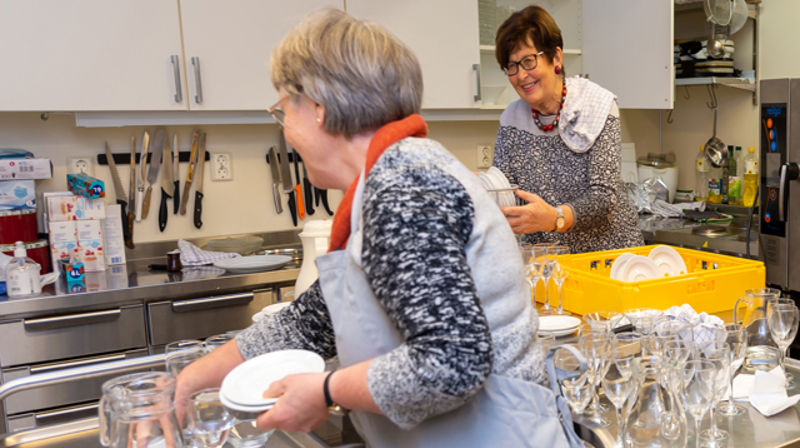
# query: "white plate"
253,263
242,408
558,325
668,260
245,384
616,267
638,268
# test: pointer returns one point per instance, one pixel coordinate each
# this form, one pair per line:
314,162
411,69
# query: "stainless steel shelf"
748,84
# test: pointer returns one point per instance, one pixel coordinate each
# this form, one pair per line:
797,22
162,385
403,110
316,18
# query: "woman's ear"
319,111
558,58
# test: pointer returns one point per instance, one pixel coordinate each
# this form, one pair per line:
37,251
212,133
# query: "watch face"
560,223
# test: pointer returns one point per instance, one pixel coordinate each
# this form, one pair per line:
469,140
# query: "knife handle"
323,194
198,208
162,211
126,232
139,199
317,194
298,194
292,207
176,198
276,196
128,223
308,196
146,204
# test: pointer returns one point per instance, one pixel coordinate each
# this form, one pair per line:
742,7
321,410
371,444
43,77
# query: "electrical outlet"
78,165
221,166
484,156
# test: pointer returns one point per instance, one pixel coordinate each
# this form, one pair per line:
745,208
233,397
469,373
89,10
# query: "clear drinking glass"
602,321
737,343
577,390
548,263
218,340
181,353
697,390
538,266
782,320
721,362
597,350
619,384
207,421
559,271
675,355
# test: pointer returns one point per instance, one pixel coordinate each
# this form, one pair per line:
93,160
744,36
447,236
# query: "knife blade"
140,175
167,188
176,175
276,178
189,173
286,178
128,223
119,192
153,167
198,180
298,187
308,192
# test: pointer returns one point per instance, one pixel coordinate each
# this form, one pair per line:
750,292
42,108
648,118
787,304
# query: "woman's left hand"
300,405
535,216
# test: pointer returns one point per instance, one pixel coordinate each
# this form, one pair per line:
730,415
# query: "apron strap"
555,375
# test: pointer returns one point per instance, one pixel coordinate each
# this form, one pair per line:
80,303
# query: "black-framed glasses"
529,62
277,111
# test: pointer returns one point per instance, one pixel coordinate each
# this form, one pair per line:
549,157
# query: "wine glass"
675,355
720,358
578,389
782,320
737,343
207,422
538,265
597,350
697,390
602,321
559,272
619,384
548,264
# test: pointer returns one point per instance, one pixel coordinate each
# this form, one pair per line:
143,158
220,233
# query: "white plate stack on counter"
496,183
662,261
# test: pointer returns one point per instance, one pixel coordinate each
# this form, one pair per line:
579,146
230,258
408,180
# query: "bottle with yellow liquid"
702,167
750,186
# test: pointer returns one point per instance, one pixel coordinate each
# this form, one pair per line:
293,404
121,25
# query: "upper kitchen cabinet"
90,55
228,45
444,36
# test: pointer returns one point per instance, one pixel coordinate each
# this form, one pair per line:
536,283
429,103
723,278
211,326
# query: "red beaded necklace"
554,124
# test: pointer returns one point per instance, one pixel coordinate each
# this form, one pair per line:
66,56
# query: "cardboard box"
112,229
17,195
11,169
71,208
63,240
90,245
86,186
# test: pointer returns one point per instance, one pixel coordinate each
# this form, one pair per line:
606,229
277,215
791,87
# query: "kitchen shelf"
747,84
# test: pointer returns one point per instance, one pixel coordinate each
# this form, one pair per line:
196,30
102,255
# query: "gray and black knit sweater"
422,234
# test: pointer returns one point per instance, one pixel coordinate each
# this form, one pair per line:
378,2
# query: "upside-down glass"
737,343
560,271
697,390
782,321
207,421
597,350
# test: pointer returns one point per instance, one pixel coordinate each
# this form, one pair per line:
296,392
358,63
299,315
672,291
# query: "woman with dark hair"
560,142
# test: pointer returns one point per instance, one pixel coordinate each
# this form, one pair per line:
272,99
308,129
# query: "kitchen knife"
167,189
176,175
198,181
298,187
308,192
140,175
276,178
119,192
155,165
128,223
286,178
189,172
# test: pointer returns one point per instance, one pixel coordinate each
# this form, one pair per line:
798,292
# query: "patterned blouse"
589,181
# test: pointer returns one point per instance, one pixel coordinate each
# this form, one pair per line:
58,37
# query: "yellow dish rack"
713,282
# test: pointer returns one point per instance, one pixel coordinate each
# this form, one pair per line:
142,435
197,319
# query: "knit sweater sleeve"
416,225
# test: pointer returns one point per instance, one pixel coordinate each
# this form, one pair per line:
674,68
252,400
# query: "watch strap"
326,392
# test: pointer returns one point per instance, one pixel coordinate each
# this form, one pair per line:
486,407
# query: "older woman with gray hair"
422,294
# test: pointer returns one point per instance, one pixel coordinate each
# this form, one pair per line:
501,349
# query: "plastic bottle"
750,186
726,174
22,274
734,182
738,177
702,167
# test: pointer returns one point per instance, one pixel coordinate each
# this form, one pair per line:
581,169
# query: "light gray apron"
506,412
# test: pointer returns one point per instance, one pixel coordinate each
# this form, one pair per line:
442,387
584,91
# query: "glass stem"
696,430
712,416
560,307
620,433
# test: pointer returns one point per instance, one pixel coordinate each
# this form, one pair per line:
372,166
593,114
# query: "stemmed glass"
538,266
602,321
597,350
559,272
577,390
721,362
619,384
737,343
207,422
697,391
782,320
549,263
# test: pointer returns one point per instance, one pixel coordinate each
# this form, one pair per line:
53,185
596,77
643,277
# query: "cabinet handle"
176,72
198,98
78,363
47,323
41,417
212,302
476,68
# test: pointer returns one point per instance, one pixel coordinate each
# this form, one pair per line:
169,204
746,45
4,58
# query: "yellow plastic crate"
713,282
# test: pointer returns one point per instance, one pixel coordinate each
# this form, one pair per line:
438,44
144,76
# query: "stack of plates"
662,261
558,325
496,183
243,387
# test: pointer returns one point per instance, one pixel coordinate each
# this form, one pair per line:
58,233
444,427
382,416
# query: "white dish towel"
192,255
765,390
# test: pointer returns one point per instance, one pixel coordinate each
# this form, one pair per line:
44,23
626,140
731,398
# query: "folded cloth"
198,272
667,210
703,324
767,391
192,255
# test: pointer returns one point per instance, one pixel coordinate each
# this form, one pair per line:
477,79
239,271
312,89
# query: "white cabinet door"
89,55
627,48
444,36
233,40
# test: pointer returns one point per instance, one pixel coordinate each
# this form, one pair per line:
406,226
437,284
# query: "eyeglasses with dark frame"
276,111
529,62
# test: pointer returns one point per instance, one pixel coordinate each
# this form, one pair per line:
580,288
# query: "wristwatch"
561,223
333,408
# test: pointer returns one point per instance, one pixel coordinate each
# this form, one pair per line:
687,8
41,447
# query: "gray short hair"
364,76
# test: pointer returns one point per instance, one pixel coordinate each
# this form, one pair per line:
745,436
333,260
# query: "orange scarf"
411,126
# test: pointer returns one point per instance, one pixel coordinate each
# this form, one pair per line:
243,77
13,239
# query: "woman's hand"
535,216
300,406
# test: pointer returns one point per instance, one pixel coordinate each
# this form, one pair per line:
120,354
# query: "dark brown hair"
531,25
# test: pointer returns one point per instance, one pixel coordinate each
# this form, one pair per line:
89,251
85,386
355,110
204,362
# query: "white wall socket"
485,156
78,165
221,166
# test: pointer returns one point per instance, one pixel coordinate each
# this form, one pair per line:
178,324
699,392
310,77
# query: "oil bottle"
750,186
702,168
